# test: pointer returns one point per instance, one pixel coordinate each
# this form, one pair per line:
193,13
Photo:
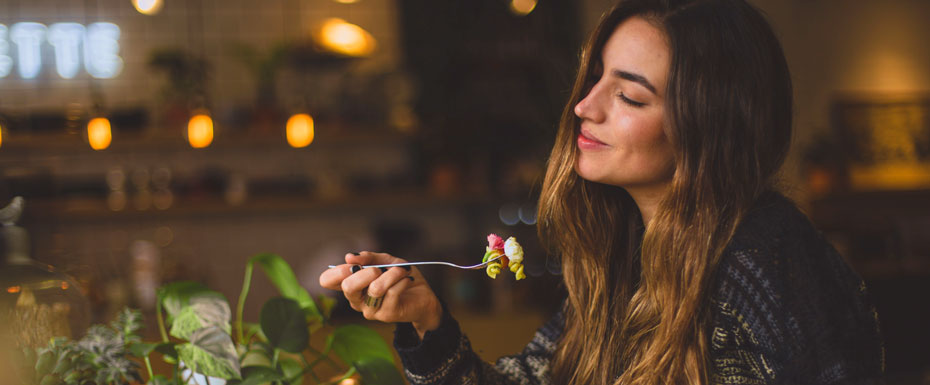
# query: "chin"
589,172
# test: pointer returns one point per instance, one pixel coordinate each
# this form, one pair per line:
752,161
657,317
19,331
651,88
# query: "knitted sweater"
786,309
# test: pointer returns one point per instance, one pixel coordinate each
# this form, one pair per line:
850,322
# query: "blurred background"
164,140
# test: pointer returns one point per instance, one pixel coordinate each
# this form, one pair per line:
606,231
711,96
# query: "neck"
647,199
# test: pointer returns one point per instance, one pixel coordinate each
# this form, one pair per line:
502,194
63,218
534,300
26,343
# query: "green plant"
197,337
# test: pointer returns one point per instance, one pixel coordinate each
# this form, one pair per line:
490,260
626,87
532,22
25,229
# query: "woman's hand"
395,295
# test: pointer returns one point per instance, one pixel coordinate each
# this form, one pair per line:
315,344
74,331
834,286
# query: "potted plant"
204,345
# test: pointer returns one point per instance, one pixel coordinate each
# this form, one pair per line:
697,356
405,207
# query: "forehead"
638,46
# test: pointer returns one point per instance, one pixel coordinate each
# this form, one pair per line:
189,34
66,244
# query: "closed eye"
630,101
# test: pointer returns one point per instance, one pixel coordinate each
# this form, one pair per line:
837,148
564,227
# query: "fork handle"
399,264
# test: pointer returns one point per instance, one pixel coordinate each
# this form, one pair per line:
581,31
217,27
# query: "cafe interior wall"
209,29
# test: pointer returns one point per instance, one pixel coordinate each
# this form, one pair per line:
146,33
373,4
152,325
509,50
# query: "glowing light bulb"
339,36
148,7
300,130
98,133
522,7
200,131
1,134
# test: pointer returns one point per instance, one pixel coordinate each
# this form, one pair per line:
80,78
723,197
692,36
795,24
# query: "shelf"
88,209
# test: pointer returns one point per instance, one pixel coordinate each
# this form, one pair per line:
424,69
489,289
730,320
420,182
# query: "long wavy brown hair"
637,302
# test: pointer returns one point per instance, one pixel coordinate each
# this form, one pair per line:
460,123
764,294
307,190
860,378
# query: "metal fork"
472,267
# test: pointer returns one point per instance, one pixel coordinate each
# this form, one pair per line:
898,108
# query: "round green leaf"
285,325
257,375
141,349
354,343
282,276
376,370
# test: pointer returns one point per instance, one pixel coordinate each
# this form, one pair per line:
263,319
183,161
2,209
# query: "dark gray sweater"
787,309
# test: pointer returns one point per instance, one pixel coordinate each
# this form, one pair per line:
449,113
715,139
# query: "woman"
682,265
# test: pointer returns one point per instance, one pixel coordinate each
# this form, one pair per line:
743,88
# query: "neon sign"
100,43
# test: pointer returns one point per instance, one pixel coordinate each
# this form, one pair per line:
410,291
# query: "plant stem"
274,359
306,370
148,366
325,357
246,282
161,321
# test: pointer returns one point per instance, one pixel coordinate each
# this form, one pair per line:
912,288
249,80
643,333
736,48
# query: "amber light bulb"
300,130
99,134
200,131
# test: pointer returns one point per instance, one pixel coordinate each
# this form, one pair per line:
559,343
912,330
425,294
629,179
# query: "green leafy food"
354,343
211,352
285,325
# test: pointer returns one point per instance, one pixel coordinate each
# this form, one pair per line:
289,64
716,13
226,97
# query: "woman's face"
622,141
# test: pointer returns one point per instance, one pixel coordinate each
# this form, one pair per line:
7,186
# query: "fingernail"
406,268
383,269
355,268
410,277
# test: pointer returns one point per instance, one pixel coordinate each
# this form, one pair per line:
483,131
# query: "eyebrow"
634,78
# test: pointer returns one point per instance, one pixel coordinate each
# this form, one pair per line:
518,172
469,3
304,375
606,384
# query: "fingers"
332,278
392,301
353,286
371,258
387,279
390,309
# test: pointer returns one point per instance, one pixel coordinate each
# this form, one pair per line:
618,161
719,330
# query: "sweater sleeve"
445,356
793,312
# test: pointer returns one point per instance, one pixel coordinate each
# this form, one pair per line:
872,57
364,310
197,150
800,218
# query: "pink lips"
586,141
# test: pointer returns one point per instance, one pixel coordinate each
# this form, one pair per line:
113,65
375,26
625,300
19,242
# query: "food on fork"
510,253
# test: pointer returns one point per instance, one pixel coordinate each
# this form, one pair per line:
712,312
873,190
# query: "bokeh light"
99,134
148,7
522,7
300,130
200,131
337,35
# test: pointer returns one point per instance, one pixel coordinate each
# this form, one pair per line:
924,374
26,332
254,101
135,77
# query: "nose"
590,107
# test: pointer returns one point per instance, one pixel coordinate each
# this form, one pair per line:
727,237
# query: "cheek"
647,139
